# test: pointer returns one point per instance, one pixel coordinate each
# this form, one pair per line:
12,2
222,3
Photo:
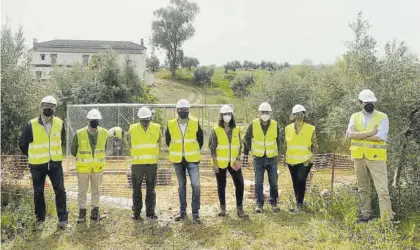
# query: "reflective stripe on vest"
186,145
372,150
264,144
298,145
85,161
144,144
44,148
226,152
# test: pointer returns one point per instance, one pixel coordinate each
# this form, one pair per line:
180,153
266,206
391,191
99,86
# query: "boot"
222,212
136,217
82,216
181,216
63,220
259,209
196,219
94,214
240,212
151,215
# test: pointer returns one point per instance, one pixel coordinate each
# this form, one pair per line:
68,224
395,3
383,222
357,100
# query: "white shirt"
47,125
382,129
183,127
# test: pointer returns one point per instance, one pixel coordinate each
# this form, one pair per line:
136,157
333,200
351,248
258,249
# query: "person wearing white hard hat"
117,135
225,149
89,147
42,141
184,137
300,144
368,131
263,140
144,140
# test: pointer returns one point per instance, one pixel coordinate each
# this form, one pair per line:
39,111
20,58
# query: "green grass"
331,227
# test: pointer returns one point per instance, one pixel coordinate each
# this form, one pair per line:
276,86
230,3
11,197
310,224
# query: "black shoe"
275,208
94,214
364,219
259,209
181,216
136,217
151,216
196,219
82,216
222,212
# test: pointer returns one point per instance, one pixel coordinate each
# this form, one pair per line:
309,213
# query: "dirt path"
168,91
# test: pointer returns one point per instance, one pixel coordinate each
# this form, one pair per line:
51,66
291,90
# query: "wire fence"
330,170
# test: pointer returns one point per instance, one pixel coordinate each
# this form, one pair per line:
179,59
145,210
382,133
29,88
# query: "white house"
64,53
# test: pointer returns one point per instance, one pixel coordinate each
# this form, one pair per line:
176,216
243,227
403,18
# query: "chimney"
142,42
35,43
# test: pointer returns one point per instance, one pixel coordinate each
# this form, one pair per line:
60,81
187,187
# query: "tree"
20,92
234,65
203,75
172,27
190,62
153,63
241,85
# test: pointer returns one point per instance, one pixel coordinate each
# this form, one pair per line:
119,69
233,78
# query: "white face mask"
265,118
227,118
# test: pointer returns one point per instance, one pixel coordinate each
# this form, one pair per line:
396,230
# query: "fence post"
332,172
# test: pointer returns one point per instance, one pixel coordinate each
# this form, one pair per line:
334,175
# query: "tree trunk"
173,71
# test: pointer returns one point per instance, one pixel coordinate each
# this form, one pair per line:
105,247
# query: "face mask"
94,123
183,114
298,117
48,112
227,118
369,107
144,123
265,118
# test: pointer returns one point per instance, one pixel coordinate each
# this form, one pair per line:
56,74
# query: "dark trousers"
148,172
299,174
55,173
238,180
262,164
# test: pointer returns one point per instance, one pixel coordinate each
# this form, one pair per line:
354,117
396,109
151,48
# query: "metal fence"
329,170
123,115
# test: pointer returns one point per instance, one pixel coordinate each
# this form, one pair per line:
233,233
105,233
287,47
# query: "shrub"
240,85
203,75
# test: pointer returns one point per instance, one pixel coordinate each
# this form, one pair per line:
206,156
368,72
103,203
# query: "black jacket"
28,137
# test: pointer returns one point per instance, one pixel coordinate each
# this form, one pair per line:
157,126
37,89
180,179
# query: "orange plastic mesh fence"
116,185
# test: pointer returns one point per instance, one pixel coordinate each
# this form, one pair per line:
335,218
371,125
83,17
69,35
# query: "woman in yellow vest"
41,141
368,131
89,147
300,144
144,138
225,148
184,137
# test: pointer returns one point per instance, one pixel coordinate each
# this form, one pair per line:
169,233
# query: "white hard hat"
226,109
265,106
183,103
49,99
144,112
367,95
94,114
298,108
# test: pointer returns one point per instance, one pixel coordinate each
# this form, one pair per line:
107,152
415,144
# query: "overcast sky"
276,30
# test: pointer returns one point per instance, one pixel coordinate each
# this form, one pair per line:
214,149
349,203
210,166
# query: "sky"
271,30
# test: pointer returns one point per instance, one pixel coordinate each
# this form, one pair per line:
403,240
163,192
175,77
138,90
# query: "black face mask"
183,114
369,107
94,123
48,112
145,123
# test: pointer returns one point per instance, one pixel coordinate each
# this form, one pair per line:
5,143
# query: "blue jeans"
260,165
194,173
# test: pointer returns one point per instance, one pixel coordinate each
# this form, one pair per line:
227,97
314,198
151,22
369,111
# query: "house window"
53,58
42,57
85,59
38,74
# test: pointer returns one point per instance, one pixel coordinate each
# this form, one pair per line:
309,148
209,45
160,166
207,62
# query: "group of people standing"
43,136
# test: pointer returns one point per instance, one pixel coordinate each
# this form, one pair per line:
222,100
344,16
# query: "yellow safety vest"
184,146
226,152
264,144
372,150
44,148
144,144
85,162
298,145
